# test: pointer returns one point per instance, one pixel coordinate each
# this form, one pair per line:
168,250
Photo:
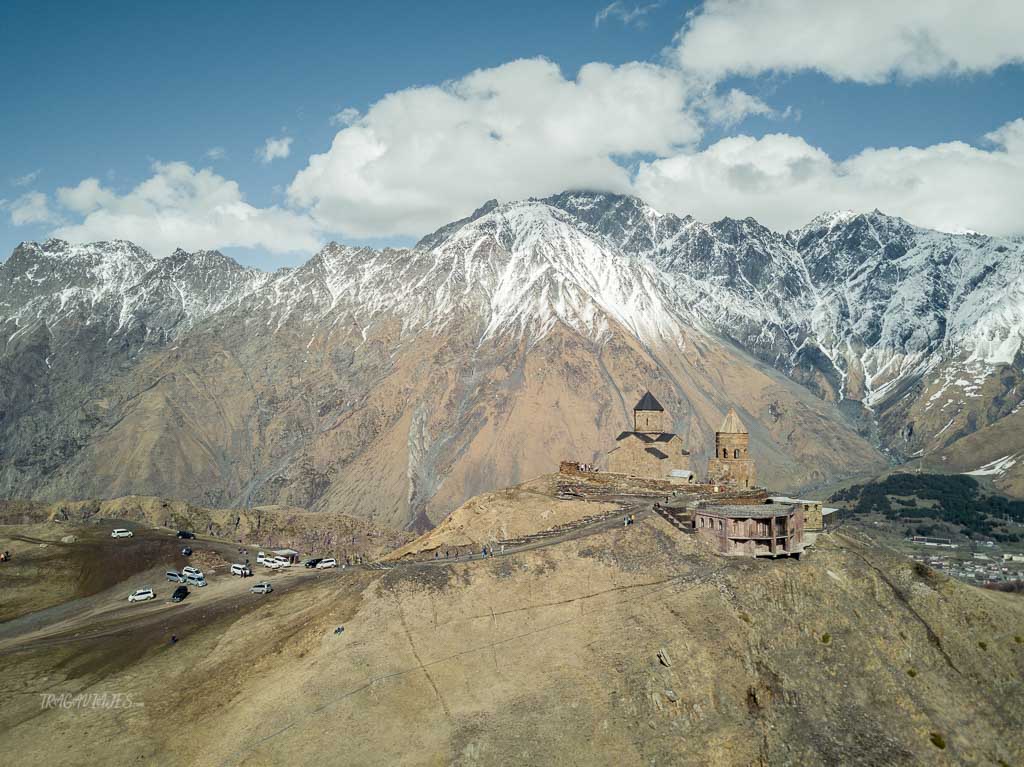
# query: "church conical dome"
732,424
649,403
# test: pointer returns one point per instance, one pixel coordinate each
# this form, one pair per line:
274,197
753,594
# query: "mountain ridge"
912,336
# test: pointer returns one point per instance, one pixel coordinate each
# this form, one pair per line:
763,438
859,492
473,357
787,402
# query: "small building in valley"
732,464
751,530
648,450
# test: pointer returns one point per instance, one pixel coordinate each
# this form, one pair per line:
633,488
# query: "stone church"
648,450
732,464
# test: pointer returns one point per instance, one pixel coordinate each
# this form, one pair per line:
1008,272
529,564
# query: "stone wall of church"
734,446
632,458
732,471
650,421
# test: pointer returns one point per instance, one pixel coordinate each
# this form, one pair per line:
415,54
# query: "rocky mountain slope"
394,384
632,646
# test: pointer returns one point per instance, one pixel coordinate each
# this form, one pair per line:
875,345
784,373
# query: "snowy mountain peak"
857,306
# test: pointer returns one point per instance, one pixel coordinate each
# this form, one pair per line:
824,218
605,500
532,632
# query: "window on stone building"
736,453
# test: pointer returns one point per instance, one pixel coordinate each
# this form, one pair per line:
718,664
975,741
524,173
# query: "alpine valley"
395,384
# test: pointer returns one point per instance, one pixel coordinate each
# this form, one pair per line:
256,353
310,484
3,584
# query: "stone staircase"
678,518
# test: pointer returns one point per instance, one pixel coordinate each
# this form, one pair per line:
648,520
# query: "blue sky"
105,91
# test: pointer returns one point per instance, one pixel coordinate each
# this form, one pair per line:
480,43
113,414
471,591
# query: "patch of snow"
998,466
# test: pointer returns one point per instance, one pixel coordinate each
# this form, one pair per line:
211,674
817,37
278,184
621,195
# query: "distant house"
648,450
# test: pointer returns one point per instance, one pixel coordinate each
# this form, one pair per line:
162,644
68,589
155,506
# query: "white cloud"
731,109
422,157
345,117
275,148
31,208
27,179
867,41
216,153
624,13
179,206
86,197
783,182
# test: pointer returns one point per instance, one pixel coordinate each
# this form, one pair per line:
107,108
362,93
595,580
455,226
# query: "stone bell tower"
648,415
732,464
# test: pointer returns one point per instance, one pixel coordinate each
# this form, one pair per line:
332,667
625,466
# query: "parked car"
189,570
273,564
262,588
326,563
120,532
283,561
141,595
242,571
179,593
195,580
261,558
174,576
186,552
313,562
186,534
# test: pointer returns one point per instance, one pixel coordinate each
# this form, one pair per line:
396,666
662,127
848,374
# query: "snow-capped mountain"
908,336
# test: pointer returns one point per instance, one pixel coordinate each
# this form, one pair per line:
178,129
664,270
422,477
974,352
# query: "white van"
195,580
282,562
261,558
326,563
120,532
194,572
241,571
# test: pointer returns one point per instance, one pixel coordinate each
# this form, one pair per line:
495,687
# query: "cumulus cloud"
179,206
274,148
31,208
635,15
86,197
216,153
733,107
868,41
783,182
422,157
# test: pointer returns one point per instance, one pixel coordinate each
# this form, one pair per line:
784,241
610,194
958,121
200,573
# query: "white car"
262,588
283,561
326,563
120,532
273,564
195,572
141,595
261,558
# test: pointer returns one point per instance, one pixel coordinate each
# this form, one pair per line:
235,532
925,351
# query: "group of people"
485,551
628,520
